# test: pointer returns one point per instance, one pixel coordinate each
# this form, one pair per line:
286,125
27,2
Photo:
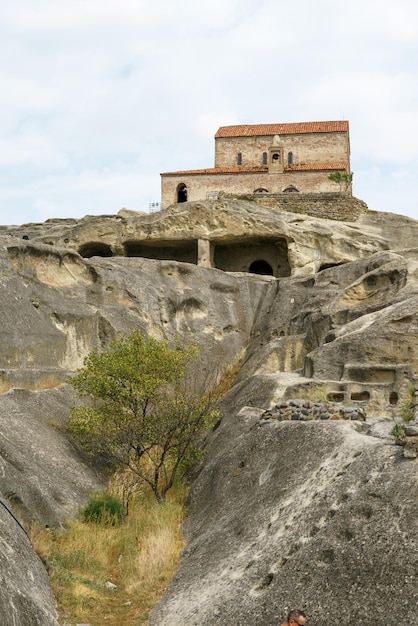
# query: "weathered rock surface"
321,514
232,230
26,598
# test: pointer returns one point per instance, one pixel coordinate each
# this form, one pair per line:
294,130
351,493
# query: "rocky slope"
321,514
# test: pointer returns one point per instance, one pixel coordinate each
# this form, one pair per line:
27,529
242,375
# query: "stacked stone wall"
201,186
332,206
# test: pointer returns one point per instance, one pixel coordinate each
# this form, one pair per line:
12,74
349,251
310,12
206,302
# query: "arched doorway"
182,193
261,267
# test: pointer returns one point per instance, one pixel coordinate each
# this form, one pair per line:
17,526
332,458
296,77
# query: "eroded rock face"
56,308
320,516
230,235
26,598
283,514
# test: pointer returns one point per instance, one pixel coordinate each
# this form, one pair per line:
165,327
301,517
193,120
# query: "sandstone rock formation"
225,234
26,598
319,513
320,516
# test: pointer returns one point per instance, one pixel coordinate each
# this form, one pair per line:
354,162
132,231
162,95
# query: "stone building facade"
266,158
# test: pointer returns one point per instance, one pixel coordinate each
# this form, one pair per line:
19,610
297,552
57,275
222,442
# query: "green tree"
343,179
145,410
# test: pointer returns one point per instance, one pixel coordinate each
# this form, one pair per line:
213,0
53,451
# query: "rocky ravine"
320,514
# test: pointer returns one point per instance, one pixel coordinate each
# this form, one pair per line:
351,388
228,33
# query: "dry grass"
140,557
226,378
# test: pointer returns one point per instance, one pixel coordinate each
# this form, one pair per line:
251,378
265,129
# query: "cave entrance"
182,251
95,248
261,267
258,256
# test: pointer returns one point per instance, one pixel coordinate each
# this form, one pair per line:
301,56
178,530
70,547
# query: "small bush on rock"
398,431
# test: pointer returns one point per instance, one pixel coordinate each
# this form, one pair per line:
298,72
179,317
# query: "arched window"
276,157
290,158
264,158
182,193
291,189
260,190
239,158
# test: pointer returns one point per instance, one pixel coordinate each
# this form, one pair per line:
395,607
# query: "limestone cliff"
318,514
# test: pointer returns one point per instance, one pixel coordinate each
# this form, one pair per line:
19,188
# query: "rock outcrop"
320,516
26,598
318,513
224,234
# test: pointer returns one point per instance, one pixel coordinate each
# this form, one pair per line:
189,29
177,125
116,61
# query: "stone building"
266,158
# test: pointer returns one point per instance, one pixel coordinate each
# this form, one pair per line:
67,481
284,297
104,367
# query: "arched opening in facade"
181,193
290,158
291,189
264,160
261,267
239,158
260,190
95,248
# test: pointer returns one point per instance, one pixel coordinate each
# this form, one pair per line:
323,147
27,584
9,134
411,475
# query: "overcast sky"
100,96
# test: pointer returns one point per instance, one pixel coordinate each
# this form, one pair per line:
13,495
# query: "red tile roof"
219,170
313,167
252,130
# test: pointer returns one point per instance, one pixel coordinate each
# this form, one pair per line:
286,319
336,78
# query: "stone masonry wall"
201,186
306,149
333,206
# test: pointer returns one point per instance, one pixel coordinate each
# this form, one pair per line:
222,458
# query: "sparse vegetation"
407,411
342,179
398,431
313,392
139,556
143,418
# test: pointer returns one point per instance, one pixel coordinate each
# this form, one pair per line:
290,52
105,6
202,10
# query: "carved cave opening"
259,256
95,248
360,396
362,374
182,251
393,398
336,396
261,267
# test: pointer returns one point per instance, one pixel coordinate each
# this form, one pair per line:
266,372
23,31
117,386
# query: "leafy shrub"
103,509
398,431
146,408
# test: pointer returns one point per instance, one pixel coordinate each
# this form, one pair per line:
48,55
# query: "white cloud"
99,97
